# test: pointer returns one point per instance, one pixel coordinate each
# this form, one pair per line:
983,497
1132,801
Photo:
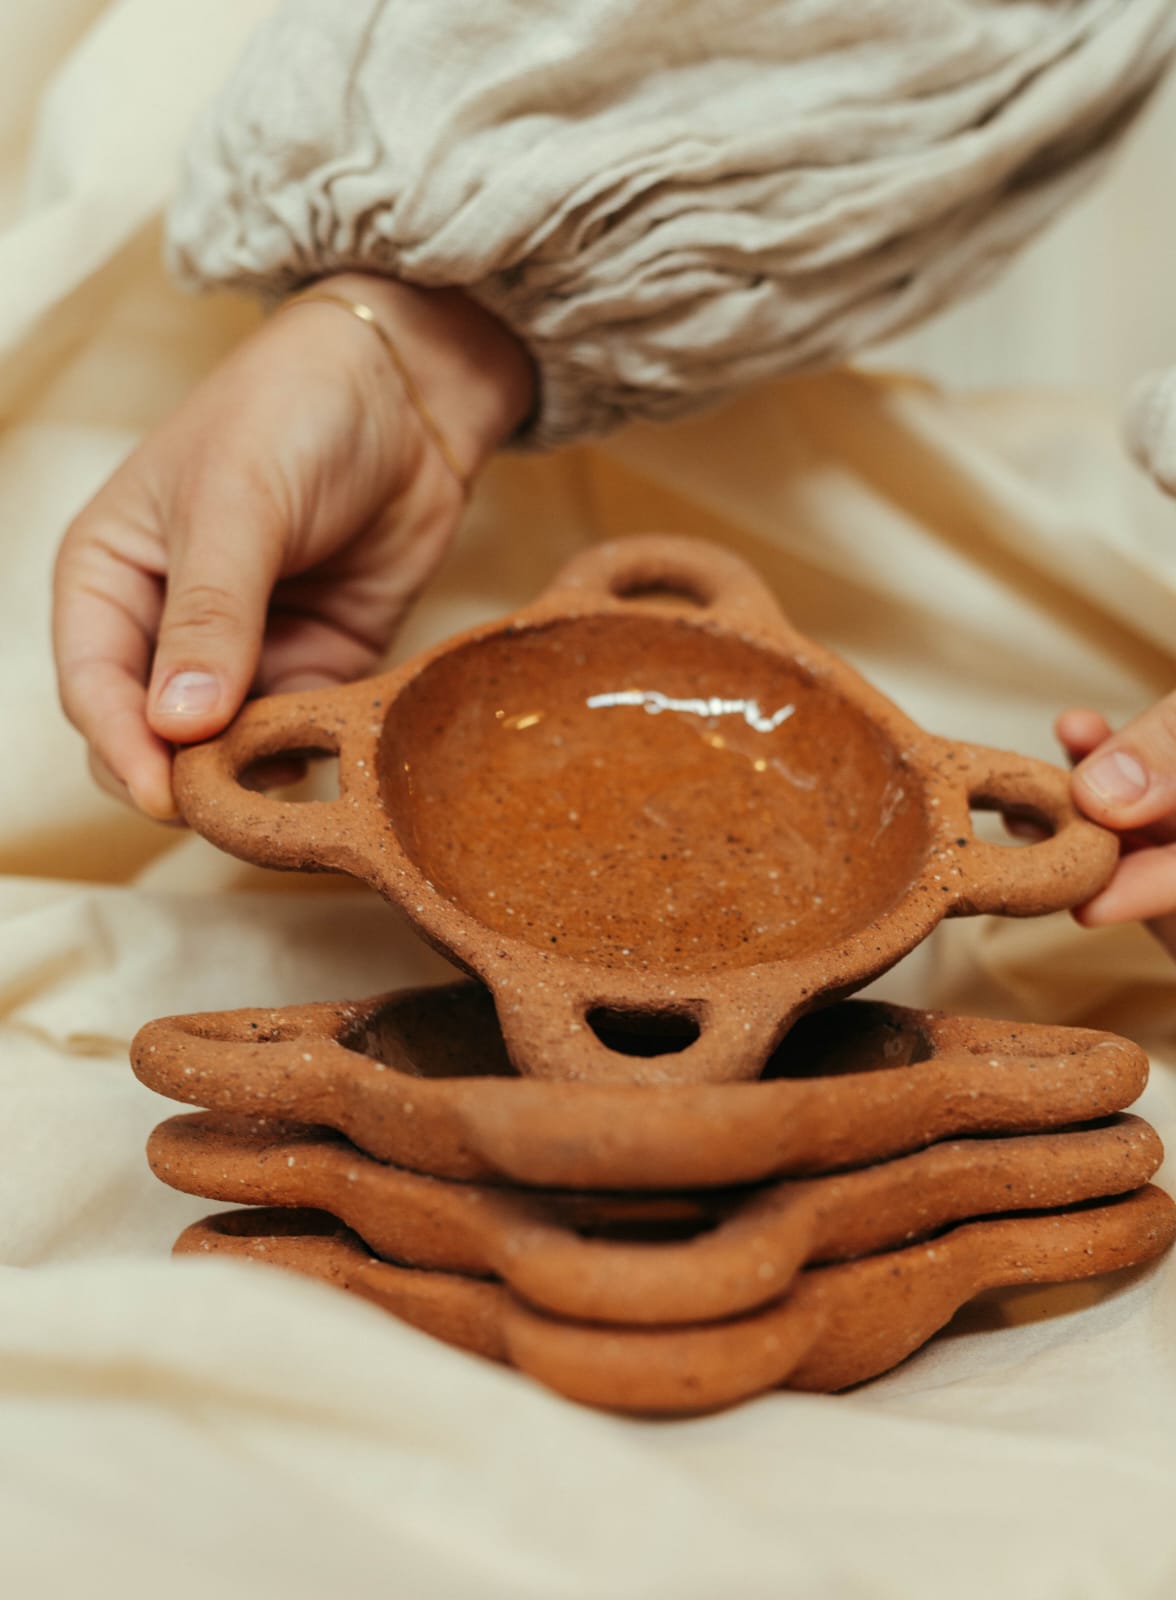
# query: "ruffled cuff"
666,200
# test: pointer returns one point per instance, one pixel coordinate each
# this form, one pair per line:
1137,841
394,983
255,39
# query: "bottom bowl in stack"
662,1249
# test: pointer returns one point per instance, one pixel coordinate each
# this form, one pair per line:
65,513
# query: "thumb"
212,627
1129,781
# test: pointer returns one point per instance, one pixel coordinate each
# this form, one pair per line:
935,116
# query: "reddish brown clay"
647,794
421,1078
674,1258
839,1326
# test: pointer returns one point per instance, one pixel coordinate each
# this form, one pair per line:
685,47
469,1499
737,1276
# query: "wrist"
473,374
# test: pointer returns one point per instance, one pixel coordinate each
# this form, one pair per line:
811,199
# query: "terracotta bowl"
647,796
421,1078
839,1326
657,1259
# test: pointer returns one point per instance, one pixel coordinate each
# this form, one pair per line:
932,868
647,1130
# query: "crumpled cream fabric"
667,199
1151,426
194,1429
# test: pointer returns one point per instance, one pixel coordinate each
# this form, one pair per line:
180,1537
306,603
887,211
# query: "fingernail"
187,694
1117,778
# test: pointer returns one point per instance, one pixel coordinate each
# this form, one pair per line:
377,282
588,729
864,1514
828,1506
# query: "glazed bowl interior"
639,790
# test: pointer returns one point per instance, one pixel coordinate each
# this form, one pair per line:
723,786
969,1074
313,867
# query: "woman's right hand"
272,532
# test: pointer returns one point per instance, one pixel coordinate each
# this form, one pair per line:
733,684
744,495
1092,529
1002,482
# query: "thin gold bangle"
412,391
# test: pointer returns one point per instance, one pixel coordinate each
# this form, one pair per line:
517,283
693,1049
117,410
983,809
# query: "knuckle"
71,708
203,608
80,526
73,551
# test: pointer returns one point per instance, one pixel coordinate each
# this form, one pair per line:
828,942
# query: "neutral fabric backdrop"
194,1429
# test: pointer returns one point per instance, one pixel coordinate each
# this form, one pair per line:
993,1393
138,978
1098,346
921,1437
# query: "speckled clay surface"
839,1326
673,1258
422,1079
646,793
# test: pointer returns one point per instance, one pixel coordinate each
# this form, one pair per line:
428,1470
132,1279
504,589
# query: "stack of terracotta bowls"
652,1156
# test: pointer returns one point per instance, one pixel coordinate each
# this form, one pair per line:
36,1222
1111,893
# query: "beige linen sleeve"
667,200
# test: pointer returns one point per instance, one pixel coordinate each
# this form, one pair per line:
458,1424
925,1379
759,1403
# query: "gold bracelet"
412,391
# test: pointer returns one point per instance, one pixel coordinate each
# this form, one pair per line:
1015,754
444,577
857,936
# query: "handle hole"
264,1225
634,1032
634,1220
302,776
1012,827
679,590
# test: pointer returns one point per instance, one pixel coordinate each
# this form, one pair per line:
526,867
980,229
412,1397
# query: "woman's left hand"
1127,781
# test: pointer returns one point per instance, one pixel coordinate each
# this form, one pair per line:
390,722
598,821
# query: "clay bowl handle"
550,1033
317,835
659,571
1027,881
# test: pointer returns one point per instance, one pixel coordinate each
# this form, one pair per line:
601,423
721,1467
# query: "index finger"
105,614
